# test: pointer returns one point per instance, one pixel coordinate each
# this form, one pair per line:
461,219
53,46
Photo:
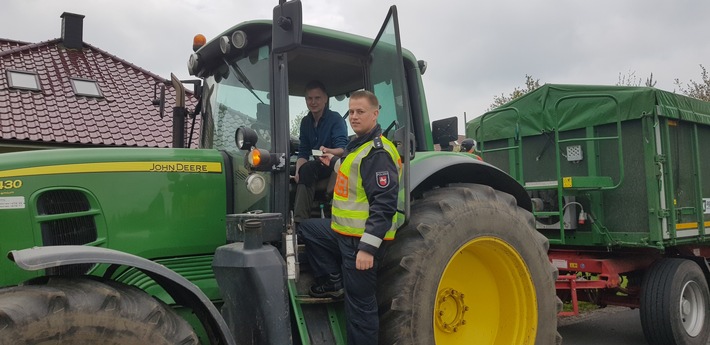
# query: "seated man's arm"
339,138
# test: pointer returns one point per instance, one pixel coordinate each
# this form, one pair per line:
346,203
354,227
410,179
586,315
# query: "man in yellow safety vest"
344,251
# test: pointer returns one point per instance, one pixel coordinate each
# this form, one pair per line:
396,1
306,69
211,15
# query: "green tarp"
566,107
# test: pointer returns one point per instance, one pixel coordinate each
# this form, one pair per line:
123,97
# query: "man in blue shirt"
321,129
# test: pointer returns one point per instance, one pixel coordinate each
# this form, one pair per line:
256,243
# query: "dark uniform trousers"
331,252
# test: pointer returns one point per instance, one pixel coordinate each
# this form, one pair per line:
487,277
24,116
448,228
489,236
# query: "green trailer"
187,245
621,188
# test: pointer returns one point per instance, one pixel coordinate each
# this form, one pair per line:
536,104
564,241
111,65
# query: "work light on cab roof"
238,40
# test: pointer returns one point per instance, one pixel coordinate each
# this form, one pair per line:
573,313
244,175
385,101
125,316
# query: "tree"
295,125
630,79
530,85
699,90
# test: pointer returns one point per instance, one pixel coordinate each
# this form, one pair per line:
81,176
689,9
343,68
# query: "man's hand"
364,260
325,159
334,152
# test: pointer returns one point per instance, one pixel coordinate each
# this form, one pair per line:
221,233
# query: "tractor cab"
255,76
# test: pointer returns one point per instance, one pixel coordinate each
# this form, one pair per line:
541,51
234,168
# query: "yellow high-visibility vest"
350,205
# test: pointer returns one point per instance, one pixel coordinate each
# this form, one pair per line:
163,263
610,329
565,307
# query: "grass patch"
583,306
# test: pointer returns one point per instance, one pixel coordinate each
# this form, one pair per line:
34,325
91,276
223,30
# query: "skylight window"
23,80
85,87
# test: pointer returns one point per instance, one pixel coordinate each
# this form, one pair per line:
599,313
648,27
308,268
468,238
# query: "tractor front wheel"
86,311
469,268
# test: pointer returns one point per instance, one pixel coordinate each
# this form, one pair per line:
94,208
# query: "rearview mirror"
287,28
445,131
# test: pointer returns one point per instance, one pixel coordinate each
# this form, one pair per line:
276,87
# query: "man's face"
362,116
315,100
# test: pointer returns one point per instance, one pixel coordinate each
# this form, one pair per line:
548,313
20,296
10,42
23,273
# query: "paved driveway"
607,326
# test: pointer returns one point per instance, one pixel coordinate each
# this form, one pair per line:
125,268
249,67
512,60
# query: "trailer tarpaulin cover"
567,107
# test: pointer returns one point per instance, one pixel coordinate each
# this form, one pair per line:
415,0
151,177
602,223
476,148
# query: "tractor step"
319,320
305,299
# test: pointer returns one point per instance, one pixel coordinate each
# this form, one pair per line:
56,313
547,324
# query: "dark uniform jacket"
382,200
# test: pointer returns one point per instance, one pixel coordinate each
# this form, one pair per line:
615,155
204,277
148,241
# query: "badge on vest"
383,178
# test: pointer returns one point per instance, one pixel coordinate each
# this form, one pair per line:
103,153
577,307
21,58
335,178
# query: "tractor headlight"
255,184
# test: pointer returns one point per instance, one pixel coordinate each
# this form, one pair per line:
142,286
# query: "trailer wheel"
469,268
674,304
80,310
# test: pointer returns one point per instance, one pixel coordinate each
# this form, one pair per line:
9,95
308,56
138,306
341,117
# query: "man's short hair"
315,84
368,95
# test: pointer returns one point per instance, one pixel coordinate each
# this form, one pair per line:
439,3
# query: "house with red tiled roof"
67,93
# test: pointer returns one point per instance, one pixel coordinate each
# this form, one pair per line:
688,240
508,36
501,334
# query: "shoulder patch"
377,142
383,179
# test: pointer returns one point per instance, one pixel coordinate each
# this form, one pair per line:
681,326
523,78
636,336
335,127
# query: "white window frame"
38,87
98,94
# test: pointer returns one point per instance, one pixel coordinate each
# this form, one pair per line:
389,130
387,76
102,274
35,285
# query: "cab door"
386,79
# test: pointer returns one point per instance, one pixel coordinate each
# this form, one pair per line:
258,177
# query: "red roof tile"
7,44
124,116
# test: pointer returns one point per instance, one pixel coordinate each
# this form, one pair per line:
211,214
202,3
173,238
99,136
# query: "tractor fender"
431,170
180,289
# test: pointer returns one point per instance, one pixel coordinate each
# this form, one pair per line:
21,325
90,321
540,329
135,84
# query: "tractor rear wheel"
85,311
469,268
675,303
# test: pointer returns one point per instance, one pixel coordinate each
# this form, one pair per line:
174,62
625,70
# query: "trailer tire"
82,310
468,268
674,304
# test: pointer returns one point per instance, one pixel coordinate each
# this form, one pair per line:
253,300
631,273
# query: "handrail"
517,148
558,141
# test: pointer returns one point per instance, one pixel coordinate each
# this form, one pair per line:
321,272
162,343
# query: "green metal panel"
149,202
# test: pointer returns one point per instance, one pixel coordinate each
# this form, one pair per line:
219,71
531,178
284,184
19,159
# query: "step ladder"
320,321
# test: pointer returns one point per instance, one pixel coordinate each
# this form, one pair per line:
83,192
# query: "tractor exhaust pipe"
179,113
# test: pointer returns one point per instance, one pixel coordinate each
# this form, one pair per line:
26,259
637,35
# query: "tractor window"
298,109
384,80
237,95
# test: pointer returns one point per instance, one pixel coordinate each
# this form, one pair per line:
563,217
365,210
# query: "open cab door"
386,79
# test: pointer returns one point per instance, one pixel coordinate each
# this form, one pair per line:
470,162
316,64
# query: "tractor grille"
72,230
62,201
69,231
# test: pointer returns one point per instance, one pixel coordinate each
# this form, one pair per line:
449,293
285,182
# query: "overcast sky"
475,49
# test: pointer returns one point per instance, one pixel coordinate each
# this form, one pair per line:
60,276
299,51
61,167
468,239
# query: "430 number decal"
10,184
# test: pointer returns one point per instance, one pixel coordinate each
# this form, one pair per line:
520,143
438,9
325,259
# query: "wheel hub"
496,283
685,307
450,310
692,308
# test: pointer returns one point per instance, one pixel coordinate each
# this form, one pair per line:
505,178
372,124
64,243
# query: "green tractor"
186,246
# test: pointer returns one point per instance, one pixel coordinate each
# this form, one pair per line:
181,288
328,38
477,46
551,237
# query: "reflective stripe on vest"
350,205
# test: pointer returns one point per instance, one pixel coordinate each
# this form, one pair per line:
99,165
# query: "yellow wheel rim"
485,296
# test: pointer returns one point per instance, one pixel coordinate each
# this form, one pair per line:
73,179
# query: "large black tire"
675,304
469,268
86,311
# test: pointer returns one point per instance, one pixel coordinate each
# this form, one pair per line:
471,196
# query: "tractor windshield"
237,94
